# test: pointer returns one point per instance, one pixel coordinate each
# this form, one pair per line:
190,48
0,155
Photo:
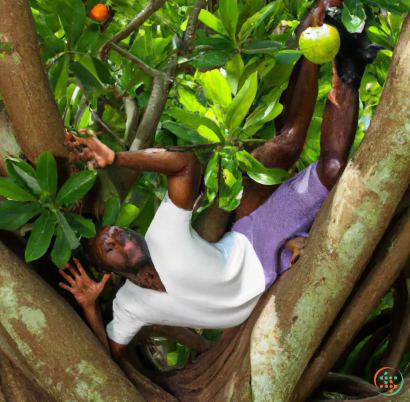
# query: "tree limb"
387,263
134,59
25,87
135,24
190,32
400,336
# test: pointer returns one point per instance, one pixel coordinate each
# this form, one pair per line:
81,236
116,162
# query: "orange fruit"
99,12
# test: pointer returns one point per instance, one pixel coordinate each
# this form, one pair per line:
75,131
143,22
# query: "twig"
134,59
135,24
97,119
400,335
190,32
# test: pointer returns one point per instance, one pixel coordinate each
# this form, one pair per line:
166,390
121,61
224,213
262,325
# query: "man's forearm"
154,160
93,315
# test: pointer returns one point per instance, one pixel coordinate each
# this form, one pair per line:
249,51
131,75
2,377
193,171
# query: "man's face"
119,250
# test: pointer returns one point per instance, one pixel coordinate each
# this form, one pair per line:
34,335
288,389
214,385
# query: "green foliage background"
225,97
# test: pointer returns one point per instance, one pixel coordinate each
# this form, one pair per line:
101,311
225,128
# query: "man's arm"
182,169
86,293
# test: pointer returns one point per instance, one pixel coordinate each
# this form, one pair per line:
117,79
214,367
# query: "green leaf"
212,22
61,252
211,177
41,236
254,21
216,88
268,109
58,74
47,173
111,211
99,69
234,69
23,174
88,81
274,176
127,215
85,119
287,56
214,58
14,214
184,133
72,17
194,120
68,232
208,134
80,225
229,14
239,108
12,191
76,187
395,6
353,15
188,99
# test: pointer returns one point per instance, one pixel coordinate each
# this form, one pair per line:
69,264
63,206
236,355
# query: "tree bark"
45,337
345,234
24,85
387,263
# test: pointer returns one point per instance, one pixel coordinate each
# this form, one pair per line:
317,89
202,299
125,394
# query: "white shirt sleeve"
124,325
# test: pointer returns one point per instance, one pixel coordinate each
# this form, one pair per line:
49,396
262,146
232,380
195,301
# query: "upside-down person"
174,277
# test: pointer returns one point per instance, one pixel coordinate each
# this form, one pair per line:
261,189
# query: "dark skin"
183,172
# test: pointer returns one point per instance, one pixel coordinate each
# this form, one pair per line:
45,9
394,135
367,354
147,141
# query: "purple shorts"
288,213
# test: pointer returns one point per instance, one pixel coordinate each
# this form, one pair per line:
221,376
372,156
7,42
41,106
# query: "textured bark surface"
44,337
392,253
345,234
24,85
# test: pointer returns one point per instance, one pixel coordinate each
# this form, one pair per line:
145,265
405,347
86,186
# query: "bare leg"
283,151
338,130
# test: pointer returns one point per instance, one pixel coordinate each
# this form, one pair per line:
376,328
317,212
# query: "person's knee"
330,171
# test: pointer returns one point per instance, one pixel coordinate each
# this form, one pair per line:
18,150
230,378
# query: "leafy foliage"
225,98
32,193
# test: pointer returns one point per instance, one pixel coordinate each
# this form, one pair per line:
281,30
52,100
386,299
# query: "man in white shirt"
174,277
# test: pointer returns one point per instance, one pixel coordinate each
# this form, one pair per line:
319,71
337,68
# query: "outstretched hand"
94,151
84,289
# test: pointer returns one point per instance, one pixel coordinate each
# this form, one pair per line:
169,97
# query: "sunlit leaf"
216,88
212,22
353,14
229,15
128,214
41,236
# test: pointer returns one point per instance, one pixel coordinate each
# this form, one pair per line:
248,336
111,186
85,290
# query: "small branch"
348,385
400,336
190,32
134,59
147,129
135,24
114,136
190,148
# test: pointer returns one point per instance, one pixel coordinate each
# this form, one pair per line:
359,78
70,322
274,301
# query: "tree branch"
387,263
400,336
135,24
134,59
190,32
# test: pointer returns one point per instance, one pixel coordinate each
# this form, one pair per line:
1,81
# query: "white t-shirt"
208,285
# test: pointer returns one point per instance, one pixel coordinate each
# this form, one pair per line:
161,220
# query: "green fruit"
320,44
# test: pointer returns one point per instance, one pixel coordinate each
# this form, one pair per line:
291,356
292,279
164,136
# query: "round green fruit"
320,44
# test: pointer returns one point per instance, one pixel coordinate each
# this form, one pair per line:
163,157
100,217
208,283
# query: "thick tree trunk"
347,230
24,85
49,344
